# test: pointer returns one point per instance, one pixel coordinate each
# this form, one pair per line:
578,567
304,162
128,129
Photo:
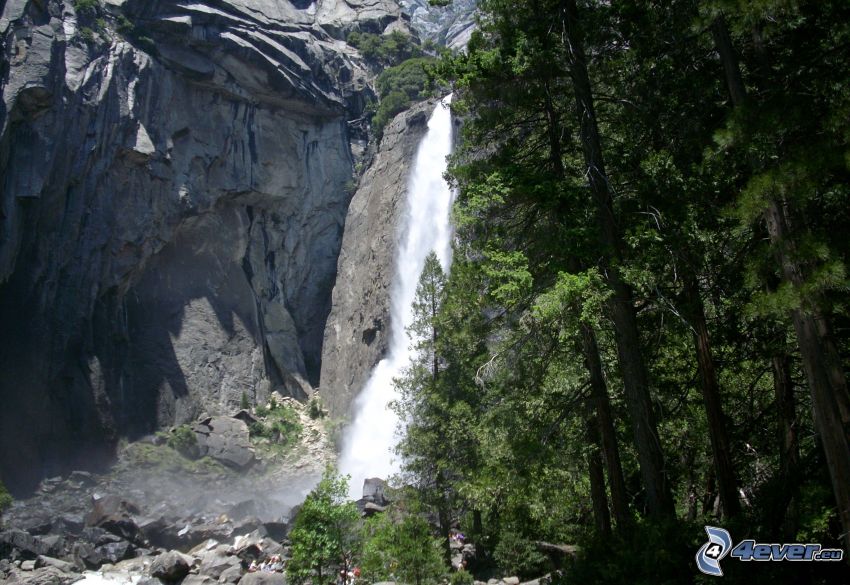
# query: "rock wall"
448,26
172,201
356,334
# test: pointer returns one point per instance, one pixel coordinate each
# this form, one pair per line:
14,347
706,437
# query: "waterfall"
369,441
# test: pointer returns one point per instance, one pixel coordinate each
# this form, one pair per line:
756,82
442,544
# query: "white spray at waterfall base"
369,441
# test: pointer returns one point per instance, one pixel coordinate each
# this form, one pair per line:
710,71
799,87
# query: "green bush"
461,578
183,440
314,408
387,50
399,87
5,497
519,556
401,549
324,529
282,426
243,402
262,411
86,5
87,34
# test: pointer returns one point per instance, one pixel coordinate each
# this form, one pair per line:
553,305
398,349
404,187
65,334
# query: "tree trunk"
602,406
821,361
635,379
597,479
721,453
443,517
789,448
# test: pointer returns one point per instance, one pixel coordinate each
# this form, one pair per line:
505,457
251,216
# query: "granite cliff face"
357,330
448,26
171,211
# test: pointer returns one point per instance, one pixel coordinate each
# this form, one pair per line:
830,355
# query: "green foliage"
461,578
243,402
315,409
162,458
87,34
183,440
652,554
500,403
323,531
386,50
262,411
5,498
281,424
90,6
400,87
519,556
401,549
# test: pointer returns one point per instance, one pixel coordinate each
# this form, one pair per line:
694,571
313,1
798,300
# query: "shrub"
516,555
282,426
401,549
183,440
87,34
461,578
399,87
314,408
387,50
243,402
86,5
323,530
5,498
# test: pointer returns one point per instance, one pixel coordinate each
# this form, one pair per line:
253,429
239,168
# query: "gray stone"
215,563
225,439
170,566
263,579
189,207
449,26
231,575
64,566
357,330
198,580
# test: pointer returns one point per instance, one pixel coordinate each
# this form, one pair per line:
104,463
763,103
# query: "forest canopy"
645,328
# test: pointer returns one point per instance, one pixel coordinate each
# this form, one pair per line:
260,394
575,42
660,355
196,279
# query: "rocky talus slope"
173,188
356,335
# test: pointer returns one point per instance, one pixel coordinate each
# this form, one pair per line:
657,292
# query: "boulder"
115,515
226,440
48,576
64,566
94,556
371,508
170,566
198,580
15,543
263,579
374,489
214,564
231,575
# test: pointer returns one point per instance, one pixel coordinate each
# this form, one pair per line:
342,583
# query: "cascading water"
368,442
